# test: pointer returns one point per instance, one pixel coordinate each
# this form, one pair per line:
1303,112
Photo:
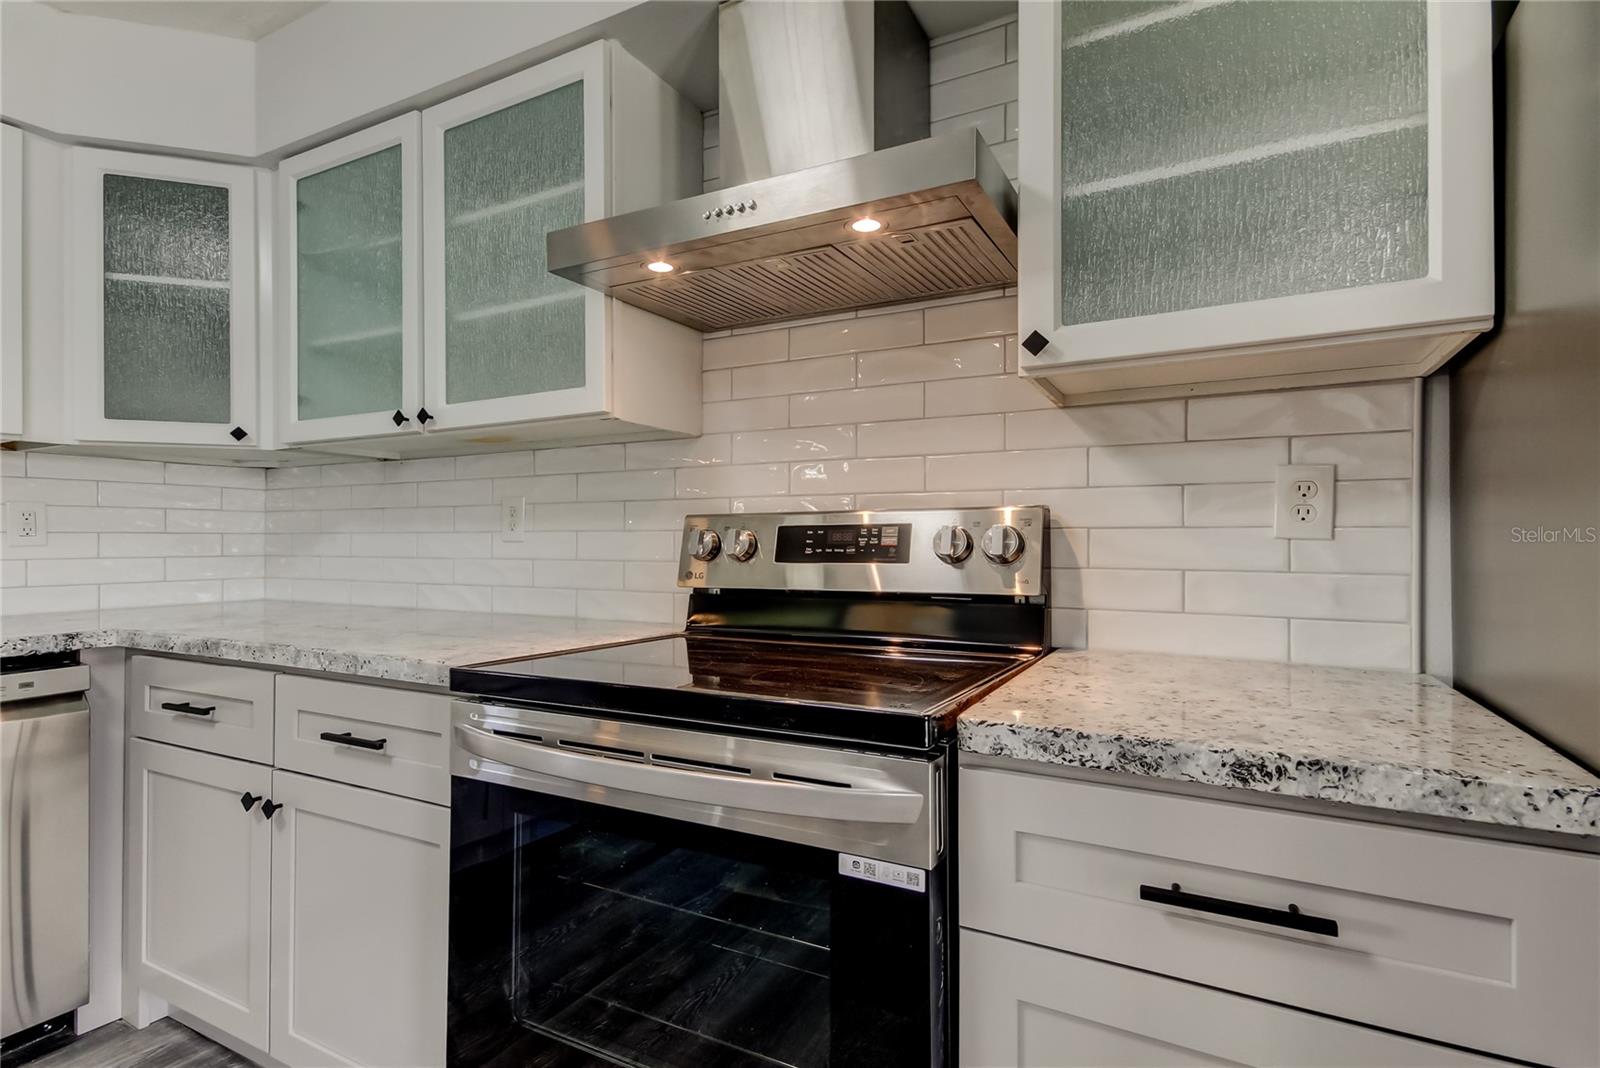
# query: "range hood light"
659,267
866,226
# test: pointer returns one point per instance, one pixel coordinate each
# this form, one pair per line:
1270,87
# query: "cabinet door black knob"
422,416
238,433
1035,343
400,418
269,807
249,800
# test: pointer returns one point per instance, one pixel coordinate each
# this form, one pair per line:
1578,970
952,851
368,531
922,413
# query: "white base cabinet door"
1024,1005
198,885
360,882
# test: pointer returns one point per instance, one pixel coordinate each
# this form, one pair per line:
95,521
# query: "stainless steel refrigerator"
1525,404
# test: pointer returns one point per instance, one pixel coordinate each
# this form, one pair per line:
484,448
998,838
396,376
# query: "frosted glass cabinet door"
1215,175
505,165
348,224
164,319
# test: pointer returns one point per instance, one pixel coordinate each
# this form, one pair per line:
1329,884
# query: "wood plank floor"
164,1044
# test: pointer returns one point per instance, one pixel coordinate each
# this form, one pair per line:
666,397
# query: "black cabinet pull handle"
1290,917
269,807
400,418
187,709
346,738
238,433
422,416
249,800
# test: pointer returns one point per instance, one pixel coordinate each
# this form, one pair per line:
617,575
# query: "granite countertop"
1385,740
400,644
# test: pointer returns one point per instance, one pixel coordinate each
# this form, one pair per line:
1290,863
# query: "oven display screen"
888,543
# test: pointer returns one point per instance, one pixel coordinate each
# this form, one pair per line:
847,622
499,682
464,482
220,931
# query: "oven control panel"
983,551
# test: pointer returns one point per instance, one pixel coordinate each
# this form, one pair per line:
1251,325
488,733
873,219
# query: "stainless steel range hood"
818,87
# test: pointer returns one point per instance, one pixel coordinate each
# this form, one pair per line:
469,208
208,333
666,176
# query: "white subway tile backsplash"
93,468
887,330
943,499
529,601
997,393
147,594
159,544
669,515
1026,469
50,599
180,568
292,477
478,517
1230,504
1188,548
418,519
1190,634
356,474
62,491
1187,462
628,545
1341,410
458,492
1107,506
680,452
180,519
322,544
975,52
392,495
102,570
588,515
755,414
244,500
728,480
579,574
495,465
1136,591
579,459
227,477
794,376
630,605
971,92
716,385
627,485
1357,550
456,598
926,363
990,123
1375,598
742,350
455,544
976,318
1378,503
138,495
384,569
536,488
817,442
380,594
71,518
430,470
858,476
853,405
1112,424
918,437
59,546
815,502
1340,644
1357,456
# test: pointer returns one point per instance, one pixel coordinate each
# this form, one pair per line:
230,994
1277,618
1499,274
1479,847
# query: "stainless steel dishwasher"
44,856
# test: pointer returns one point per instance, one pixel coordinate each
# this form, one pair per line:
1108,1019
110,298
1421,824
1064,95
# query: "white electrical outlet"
1303,502
513,518
25,524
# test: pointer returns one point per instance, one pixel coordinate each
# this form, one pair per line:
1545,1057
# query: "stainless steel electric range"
731,846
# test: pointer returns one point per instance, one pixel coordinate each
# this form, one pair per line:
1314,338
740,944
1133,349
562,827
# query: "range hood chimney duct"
806,83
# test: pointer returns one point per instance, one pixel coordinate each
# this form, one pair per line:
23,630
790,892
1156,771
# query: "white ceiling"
249,20
941,17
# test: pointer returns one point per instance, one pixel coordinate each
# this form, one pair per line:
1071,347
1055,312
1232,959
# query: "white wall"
96,78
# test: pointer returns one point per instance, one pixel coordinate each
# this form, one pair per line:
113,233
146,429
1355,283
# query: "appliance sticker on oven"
881,871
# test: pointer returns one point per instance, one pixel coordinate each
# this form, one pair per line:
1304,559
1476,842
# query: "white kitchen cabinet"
162,301
1021,1004
360,882
350,299
199,886
583,136
1217,197
11,216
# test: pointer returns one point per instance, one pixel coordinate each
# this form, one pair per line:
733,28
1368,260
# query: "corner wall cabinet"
1219,197
305,918
389,336
162,300
351,289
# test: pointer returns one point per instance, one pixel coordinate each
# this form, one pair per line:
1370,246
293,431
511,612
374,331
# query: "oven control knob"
744,545
1002,543
704,544
952,544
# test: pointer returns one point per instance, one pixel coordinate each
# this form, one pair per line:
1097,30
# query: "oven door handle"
869,803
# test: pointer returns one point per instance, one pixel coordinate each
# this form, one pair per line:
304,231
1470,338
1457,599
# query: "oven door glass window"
584,934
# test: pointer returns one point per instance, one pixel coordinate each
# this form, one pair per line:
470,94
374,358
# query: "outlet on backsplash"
25,523
1303,501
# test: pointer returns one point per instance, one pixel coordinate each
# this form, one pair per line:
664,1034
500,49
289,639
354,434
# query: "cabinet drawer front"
1021,1004
387,739
223,710
1487,945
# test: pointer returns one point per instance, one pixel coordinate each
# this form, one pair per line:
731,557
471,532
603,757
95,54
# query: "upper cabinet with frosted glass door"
349,228
586,135
163,301
1226,196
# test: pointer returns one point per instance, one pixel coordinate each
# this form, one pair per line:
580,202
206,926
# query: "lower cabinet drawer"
388,739
223,710
1023,1005
1488,945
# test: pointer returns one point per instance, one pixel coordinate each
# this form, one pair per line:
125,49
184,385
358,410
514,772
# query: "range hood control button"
705,545
744,545
952,544
1002,543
